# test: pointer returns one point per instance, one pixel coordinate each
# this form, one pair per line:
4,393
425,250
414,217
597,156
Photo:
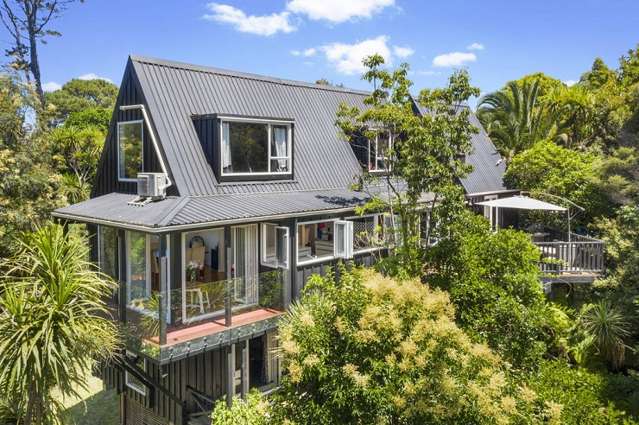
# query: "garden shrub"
588,397
367,349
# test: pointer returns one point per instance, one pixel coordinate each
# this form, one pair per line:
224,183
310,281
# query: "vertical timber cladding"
107,175
204,373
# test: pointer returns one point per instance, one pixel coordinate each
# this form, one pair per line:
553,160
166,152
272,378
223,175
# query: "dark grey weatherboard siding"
176,92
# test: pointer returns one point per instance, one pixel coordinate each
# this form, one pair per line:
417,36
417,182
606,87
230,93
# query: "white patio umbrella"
520,202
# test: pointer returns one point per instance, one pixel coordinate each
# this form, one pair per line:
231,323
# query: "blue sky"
309,39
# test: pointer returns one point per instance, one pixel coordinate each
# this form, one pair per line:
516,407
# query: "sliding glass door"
245,264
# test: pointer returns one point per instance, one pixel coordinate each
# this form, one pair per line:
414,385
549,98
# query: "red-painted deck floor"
216,325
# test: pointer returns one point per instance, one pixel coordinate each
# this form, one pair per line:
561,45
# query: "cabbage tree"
53,322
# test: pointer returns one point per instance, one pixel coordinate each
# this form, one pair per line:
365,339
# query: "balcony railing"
204,315
582,254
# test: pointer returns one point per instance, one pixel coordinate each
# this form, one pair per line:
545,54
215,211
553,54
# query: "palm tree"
53,322
607,328
514,117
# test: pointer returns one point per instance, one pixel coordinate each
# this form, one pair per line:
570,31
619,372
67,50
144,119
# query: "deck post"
230,374
122,275
289,275
228,296
162,308
245,368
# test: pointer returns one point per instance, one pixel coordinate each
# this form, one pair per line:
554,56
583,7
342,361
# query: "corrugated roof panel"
175,92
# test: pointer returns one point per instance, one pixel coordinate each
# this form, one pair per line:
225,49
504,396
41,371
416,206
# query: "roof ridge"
241,74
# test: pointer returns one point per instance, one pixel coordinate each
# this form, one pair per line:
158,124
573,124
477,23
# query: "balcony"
204,315
579,259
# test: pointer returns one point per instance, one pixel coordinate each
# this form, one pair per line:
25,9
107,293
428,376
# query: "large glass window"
143,269
108,251
204,273
130,155
255,148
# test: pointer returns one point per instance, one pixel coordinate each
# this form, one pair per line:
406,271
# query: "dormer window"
130,156
378,152
255,147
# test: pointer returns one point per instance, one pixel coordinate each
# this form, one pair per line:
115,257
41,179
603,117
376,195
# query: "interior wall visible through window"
315,241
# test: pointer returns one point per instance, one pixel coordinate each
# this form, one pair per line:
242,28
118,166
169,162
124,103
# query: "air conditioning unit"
152,185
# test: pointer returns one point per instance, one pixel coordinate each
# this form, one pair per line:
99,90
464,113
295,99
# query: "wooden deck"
215,325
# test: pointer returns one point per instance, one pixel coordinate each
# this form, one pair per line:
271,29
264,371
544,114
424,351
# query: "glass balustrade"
156,322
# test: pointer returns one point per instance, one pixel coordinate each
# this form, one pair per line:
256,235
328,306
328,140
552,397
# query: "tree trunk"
34,64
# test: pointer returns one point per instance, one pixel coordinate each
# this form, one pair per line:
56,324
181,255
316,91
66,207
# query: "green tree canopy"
426,155
515,117
598,76
97,116
549,168
78,95
493,281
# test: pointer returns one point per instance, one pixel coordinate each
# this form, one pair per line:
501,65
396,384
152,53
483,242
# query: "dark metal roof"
175,92
189,211
488,166
325,165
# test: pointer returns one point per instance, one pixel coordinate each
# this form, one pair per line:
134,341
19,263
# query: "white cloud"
570,82
403,52
475,46
307,53
453,59
51,86
337,11
347,58
93,76
428,72
261,25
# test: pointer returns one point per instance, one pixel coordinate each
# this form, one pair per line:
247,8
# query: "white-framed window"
275,246
130,149
255,147
378,152
323,240
130,380
367,233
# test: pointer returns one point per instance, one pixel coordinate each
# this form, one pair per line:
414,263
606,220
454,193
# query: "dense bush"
255,410
588,397
493,281
549,168
366,349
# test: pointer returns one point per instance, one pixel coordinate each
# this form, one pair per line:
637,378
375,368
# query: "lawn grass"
95,406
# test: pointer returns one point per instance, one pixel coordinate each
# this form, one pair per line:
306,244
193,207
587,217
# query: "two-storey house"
218,194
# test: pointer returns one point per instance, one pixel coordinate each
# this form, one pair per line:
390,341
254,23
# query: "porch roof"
174,213
522,203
